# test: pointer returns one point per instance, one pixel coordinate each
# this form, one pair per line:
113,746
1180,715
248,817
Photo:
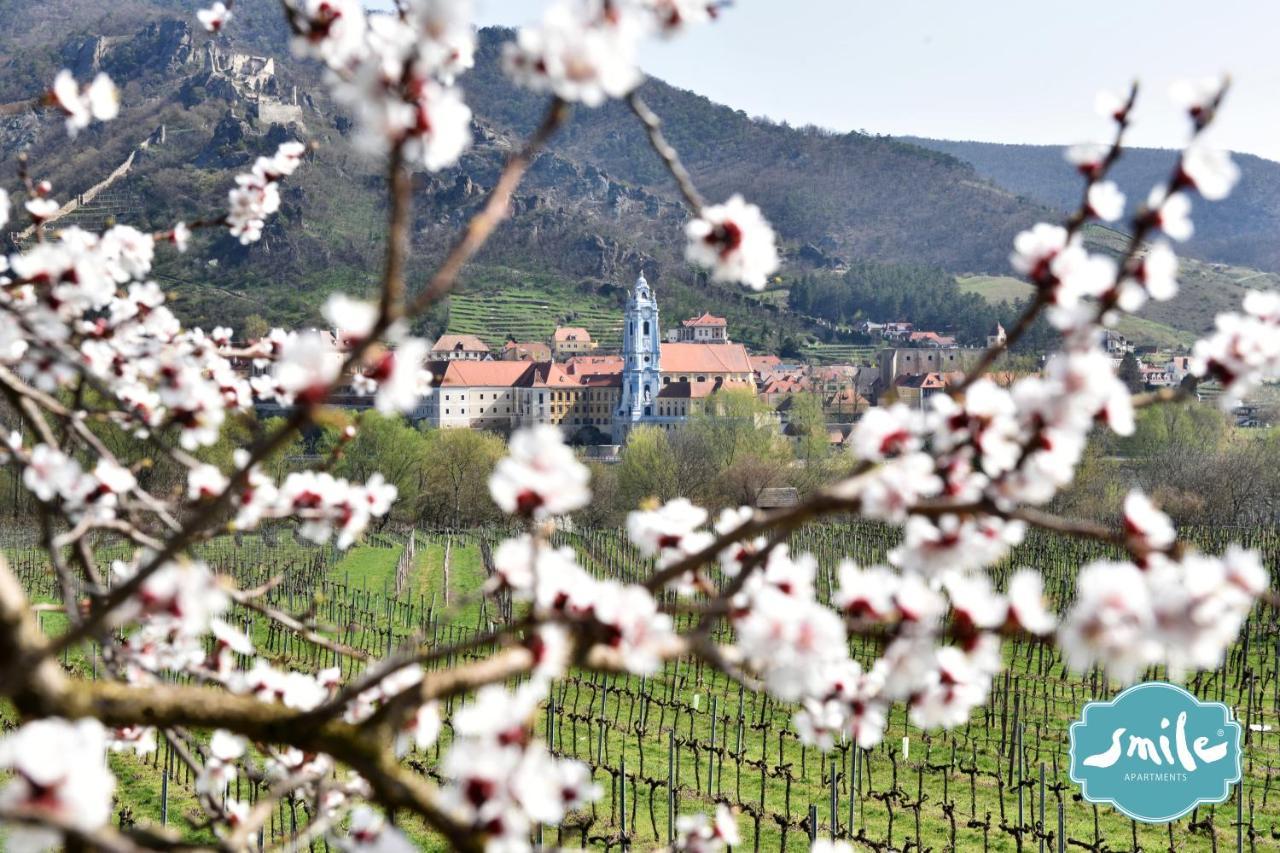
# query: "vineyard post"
1240,814
856,793
737,784
711,765
1062,838
1042,826
551,722
813,823
835,798
164,787
1021,787
671,786
622,796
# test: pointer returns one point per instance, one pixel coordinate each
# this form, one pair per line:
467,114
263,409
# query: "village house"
571,340
526,351
706,329
451,347
914,390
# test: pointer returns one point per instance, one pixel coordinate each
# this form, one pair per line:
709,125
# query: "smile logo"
1155,752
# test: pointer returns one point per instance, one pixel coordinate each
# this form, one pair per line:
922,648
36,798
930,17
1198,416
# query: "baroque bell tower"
641,372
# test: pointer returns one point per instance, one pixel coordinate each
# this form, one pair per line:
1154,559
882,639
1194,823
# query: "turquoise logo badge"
1155,752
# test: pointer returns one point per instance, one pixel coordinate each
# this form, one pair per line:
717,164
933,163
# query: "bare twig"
670,157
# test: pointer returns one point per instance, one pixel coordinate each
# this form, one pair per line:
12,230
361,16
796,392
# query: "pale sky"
993,70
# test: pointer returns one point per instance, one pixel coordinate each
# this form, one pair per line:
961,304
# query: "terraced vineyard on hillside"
495,317
840,353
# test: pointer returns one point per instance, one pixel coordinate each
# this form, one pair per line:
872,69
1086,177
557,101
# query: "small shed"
777,497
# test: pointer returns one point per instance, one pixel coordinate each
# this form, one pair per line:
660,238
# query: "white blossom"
734,241
698,833
1210,171
58,768
1172,212
1196,96
540,476
581,50
99,101
370,833
1146,524
215,17
1106,201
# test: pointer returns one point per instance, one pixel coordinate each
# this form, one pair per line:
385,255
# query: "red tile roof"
500,374
596,371
760,363
786,385
588,364
705,358
928,381
572,333
933,338
466,343
526,351
707,319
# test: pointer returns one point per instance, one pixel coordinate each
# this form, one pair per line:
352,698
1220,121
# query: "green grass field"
995,288
1140,330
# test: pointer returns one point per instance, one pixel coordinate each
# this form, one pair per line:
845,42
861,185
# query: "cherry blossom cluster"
1073,281
323,504
257,192
1179,610
80,306
51,475
1244,349
623,617
1006,446
58,774
941,684
306,365
540,477
99,101
177,605
587,50
499,781
799,647
395,71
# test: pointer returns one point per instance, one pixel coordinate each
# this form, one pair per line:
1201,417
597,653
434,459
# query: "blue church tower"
641,372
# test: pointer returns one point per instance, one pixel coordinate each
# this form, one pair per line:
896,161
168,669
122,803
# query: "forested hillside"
595,209
1240,230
